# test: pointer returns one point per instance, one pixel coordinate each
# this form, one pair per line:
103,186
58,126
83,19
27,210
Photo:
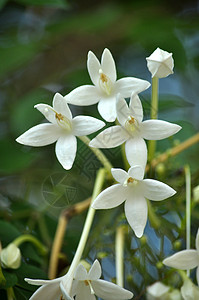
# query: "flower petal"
189,290
197,275
40,135
184,260
136,212
83,95
84,125
65,150
110,138
158,130
156,190
49,291
128,85
123,112
47,111
135,106
110,291
107,108
81,273
119,175
110,197
136,172
108,65
197,241
136,152
37,281
93,66
64,292
84,292
60,105
95,271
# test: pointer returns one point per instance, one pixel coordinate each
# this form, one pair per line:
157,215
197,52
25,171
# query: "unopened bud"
196,194
10,257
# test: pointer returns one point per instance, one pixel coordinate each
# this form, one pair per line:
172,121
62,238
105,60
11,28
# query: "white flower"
62,128
189,290
10,257
185,259
133,190
56,289
106,87
157,291
87,285
133,131
160,63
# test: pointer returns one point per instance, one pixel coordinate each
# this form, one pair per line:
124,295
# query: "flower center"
105,83
130,182
88,283
62,121
131,124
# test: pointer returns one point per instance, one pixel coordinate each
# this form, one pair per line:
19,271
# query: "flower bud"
10,257
196,194
160,63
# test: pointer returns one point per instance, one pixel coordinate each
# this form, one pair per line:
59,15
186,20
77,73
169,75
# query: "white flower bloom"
87,284
185,259
160,63
56,289
189,290
133,131
106,87
10,257
62,128
133,190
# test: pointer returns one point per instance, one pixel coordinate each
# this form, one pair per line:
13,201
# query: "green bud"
160,169
159,265
177,244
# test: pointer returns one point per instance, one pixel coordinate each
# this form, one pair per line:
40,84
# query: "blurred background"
43,50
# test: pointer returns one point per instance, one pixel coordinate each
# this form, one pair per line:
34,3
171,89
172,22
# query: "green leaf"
8,233
11,278
3,3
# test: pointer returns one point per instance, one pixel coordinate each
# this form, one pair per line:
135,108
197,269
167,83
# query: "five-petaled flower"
62,128
88,284
106,87
160,63
185,259
133,131
134,190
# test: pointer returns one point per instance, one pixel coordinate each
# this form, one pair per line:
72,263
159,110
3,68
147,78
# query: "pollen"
86,282
131,120
59,117
130,180
103,78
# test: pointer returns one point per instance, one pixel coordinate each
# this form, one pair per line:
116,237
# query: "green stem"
29,238
10,294
154,114
119,253
188,208
99,154
89,219
2,278
155,221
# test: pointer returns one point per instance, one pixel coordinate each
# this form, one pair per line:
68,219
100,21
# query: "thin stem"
60,232
10,294
154,114
98,153
188,208
89,219
29,238
119,253
154,220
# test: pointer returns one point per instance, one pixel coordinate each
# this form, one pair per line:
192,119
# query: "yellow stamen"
103,78
130,180
59,116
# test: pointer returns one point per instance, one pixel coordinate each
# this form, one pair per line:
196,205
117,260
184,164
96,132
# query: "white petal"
49,291
136,172
197,241
37,281
184,260
47,111
110,197
93,66
119,175
189,290
197,275
158,130
136,212
40,135
110,291
95,271
128,85
84,292
107,108
64,292
60,105
136,152
65,150
156,190
135,106
110,138
123,112
108,65
84,125
81,273
157,289
83,95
